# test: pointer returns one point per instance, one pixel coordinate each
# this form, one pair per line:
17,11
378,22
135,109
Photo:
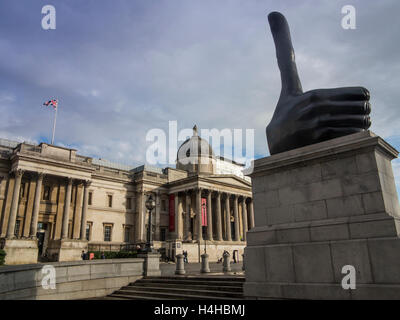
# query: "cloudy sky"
121,68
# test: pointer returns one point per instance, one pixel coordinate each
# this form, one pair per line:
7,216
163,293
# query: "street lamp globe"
150,203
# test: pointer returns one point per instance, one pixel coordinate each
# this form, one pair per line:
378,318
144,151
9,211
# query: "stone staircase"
182,288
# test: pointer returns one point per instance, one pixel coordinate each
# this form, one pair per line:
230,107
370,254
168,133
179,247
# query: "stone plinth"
319,208
180,265
205,267
20,251
151,265
66,249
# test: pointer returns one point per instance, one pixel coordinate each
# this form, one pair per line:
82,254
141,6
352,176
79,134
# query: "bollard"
243,267
205,268
227,262
180,265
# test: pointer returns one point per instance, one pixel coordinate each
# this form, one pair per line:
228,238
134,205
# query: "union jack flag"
52,102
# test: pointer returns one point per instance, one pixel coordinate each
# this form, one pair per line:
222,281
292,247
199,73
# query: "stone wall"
74,280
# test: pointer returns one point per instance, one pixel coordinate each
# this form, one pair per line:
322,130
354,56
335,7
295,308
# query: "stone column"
251,208
14,204
139,217
198,215
67,204
157,216
218,217
244,216
236,216
36,205
188,235
84,208
176,205
228,235
209,217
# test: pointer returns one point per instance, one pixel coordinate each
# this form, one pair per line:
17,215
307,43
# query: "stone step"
191,281
202,278
132,294
220,287
183,287
121,296
215,292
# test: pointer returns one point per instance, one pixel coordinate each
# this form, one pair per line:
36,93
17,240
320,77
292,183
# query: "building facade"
55,203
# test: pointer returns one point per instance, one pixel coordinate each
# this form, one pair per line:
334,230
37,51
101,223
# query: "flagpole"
54,124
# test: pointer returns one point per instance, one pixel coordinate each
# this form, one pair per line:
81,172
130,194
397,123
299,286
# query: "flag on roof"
52,102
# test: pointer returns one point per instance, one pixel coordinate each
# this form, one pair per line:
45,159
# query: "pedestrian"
83,255
185,257
103,256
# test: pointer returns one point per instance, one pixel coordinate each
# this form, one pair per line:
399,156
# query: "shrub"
2,256
115,254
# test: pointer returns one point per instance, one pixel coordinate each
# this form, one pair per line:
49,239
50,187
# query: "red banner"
204,212
171,212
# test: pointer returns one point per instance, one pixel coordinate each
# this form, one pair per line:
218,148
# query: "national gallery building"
55,203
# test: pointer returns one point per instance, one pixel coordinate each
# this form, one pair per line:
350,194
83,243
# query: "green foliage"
2,256
115,254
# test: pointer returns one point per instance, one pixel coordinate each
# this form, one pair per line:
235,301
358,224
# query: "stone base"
151,266
66,250
20,251
319,208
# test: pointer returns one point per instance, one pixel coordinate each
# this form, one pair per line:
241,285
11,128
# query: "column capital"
69,180
40,175
87,183
17,173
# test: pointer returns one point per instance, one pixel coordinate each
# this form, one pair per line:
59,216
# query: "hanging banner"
171,212
204,212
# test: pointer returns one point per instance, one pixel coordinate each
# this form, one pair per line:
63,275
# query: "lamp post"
150,205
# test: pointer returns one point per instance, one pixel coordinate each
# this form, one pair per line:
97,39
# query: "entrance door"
40,237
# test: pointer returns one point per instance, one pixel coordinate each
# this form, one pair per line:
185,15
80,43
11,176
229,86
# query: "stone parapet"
73,280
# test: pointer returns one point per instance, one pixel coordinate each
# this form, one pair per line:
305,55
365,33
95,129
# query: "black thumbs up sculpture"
302,119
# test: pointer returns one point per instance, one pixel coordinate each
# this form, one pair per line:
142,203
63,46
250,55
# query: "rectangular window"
46,193
88,229
107,233
163,234
129,203
90,198
163,205
17,225
127,232
110,200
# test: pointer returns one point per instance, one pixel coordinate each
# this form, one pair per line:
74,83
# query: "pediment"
230,179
